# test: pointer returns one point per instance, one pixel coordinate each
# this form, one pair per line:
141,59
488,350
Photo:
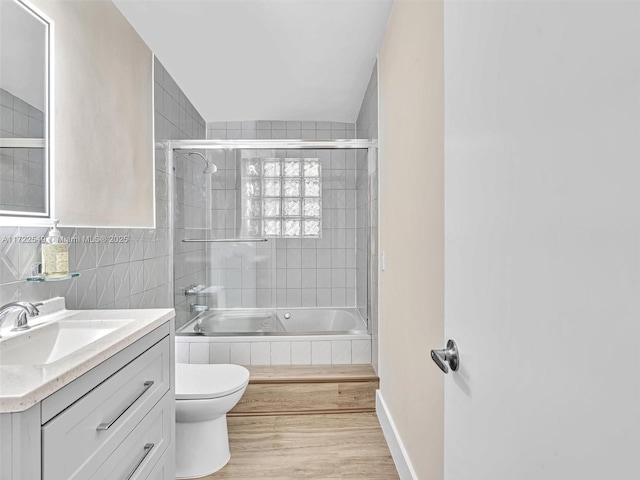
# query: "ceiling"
265,59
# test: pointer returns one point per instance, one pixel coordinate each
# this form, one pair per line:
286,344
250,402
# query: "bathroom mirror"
24,111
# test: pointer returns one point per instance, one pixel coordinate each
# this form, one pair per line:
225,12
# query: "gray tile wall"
22,170
367,215
177,118
128,274
291,272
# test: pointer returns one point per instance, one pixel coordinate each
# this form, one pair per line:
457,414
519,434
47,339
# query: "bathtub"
275,337
317,321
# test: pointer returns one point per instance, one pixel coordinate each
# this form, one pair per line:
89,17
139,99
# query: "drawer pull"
107,425
147,450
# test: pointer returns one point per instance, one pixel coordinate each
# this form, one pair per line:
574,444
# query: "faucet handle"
21,323
27,309
31,308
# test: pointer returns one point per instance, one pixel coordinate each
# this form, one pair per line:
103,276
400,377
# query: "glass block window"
281,197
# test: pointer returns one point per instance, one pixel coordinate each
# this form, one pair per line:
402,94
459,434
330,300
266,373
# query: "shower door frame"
170,146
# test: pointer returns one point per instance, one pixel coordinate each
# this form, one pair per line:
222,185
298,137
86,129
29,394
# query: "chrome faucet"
21,322
193,289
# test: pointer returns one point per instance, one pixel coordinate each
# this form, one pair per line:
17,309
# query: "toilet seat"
207,381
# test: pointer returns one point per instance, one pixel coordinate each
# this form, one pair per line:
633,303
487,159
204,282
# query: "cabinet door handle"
147,450
107,425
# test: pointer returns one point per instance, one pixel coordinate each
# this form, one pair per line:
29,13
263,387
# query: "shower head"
210,167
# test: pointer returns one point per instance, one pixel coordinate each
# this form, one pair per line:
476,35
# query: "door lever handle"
449,355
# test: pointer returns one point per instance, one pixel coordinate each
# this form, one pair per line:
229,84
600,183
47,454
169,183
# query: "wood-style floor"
338,446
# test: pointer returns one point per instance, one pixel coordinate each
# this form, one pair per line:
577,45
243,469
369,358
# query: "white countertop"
22,386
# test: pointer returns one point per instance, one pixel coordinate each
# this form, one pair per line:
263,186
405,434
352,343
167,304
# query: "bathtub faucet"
193,289
196,307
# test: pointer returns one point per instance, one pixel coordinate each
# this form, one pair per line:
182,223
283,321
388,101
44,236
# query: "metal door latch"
449,355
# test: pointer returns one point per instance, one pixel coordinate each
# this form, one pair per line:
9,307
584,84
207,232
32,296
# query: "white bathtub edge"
268,338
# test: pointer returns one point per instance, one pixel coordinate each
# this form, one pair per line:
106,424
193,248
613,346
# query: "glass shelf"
40,278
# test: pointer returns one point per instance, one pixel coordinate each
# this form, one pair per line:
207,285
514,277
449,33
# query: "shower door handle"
449,356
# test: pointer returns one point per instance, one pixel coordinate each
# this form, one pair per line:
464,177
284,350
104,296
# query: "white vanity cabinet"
116,421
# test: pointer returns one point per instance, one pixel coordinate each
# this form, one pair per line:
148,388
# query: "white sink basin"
50,342
63,345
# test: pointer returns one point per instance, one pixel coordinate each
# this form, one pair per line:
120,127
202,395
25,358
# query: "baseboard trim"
396,447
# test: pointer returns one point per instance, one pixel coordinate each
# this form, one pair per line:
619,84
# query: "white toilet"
204,395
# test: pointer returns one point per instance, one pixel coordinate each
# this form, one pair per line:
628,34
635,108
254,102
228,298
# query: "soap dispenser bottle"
55,254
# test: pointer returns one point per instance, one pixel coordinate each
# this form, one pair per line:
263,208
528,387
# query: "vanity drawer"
136,457
161,471
79,440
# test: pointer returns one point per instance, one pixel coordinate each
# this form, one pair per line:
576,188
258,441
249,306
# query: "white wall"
542,112
103,86
411,135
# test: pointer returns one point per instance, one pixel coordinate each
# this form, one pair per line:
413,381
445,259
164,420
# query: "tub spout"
196,307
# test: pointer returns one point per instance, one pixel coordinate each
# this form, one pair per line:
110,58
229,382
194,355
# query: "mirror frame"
18,218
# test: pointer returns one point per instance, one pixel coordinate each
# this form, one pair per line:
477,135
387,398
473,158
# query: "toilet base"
202,448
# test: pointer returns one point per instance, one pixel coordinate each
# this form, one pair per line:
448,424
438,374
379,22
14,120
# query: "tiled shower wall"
22,170
176,118
286,272
367,219
128,274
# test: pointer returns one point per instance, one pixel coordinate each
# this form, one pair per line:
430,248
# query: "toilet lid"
200,381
